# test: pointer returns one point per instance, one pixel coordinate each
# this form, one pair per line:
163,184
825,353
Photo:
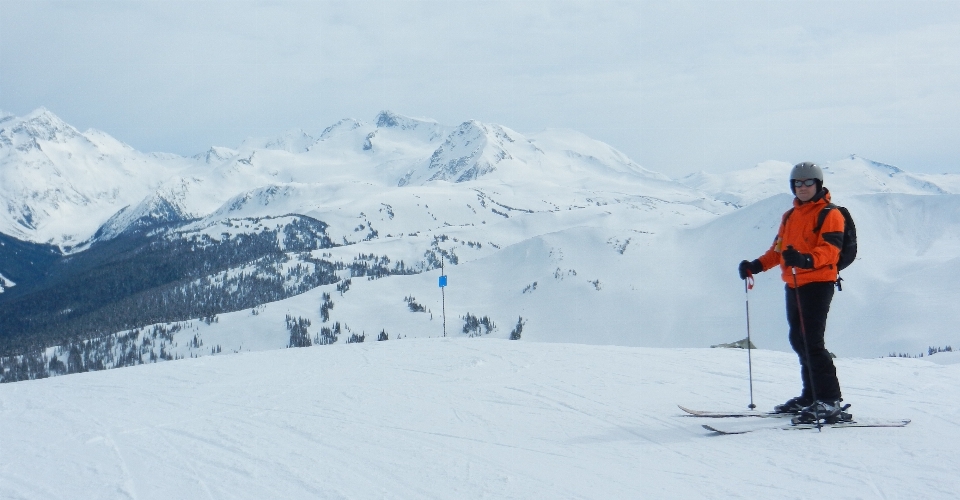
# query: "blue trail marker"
443,296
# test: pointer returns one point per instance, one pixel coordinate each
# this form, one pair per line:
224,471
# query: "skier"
808,262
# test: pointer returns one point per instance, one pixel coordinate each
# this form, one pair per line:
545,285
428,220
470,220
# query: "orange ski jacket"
797,231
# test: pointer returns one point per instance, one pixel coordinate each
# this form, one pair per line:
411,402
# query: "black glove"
793,258
747,268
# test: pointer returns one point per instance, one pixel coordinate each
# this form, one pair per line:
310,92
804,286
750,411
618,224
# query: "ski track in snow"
469,418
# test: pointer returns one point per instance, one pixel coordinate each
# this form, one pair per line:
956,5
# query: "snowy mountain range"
553,234
61,186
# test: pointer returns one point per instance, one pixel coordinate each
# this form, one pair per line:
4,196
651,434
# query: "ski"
735,413
741,429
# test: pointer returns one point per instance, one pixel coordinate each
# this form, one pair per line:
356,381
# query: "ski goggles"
805,182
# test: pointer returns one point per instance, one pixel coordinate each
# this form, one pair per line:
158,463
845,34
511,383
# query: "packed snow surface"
470,418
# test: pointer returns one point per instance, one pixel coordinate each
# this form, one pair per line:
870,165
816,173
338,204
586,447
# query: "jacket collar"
822,197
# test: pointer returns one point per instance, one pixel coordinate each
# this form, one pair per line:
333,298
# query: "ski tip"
719,431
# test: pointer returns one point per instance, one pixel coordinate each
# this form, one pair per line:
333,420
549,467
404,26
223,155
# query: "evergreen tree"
517,330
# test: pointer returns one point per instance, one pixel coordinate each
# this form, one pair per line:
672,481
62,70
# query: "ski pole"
806,348
747,285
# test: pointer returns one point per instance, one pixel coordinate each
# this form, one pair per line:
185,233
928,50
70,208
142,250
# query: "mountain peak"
154,210
44,115
341,126
216,154
473,150
389,119
41,111
42,124
294,141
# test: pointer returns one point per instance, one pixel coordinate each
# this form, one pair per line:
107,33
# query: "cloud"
799,80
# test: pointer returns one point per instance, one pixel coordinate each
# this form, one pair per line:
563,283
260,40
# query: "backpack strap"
786,215
822,216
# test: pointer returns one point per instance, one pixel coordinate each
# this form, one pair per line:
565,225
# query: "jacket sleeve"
827,250
771,258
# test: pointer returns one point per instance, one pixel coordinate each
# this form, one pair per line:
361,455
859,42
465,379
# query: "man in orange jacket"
808,262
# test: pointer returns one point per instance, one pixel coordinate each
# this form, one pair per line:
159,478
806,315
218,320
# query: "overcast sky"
677,86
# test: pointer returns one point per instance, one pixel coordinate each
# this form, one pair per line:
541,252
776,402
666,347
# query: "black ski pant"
816,366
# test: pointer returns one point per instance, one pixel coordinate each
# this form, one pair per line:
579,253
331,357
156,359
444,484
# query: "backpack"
848,249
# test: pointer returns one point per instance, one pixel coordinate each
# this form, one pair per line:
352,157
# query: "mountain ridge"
398,151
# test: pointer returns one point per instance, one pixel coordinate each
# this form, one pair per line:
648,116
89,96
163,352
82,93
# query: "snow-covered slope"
895,296
470,418
150,212
586,276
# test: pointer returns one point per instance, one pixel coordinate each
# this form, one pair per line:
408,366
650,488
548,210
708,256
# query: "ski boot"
793,406
823,412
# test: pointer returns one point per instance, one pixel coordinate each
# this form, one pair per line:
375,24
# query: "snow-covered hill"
471,418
